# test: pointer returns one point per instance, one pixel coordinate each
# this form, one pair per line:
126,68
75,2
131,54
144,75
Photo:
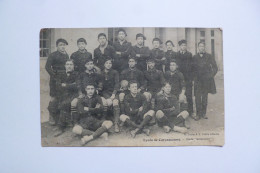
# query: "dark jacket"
99,57
184,62
204,69
79,59
121,61
144,55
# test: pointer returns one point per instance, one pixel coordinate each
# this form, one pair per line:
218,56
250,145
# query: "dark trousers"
188,94
201,99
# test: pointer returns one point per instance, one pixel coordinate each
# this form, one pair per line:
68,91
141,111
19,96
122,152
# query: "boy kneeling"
136,114
168,114
90,109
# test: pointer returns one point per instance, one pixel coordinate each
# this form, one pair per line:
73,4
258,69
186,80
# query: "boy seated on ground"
168,112
91,123
110,81
137,115
67,91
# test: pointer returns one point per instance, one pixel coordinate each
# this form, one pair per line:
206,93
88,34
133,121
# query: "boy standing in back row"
55,65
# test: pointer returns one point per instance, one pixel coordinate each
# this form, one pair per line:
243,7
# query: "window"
202,33
212,33
213,47
202,40
44,42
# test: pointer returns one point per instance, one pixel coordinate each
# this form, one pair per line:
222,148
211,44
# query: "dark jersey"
144,55
56,63
99,57
132,104
79,59
134,75
90,77
157,55
155,80
121,61
110,81
169,105
176,80
94,105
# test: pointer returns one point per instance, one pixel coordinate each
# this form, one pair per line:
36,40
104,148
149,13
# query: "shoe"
187,124
134,132
166,129
146,131
52,121
104,136
180,129
196,118
116,128
58,133
204,116
86,139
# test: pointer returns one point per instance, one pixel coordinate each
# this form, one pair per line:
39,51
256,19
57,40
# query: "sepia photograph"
145,86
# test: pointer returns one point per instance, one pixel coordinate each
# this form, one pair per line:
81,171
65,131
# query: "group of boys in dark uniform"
125,85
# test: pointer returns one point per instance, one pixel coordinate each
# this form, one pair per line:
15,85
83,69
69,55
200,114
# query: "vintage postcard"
131,87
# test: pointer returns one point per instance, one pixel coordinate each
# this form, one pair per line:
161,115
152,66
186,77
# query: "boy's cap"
169,41
61,40
182,42
140,35
157,39
121,30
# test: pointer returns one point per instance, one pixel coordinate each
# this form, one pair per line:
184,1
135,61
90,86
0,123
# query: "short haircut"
89,84
166,83
157,39
169,41
140,35
108,59
121,30
102,34
81,40
201,42
61,40
132,82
